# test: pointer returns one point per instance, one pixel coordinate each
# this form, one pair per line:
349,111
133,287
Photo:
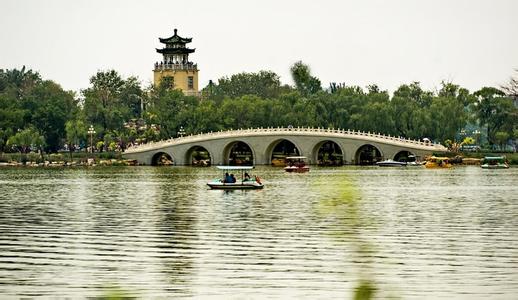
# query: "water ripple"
159,233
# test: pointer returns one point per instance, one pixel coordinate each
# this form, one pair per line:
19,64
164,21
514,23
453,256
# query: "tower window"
168,82
190,82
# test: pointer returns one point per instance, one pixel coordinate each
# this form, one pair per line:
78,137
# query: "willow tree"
25,140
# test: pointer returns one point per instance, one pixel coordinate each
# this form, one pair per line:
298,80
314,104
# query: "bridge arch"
238,152
402,155
368,154
328,153
198,156
278,149
162,159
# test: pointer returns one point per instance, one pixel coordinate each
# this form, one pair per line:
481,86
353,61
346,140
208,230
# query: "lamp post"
91,131
181,132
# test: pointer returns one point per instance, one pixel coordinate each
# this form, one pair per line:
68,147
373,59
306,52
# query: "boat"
278,162
391,163
438,162
414,161
246,182
494,162
296,164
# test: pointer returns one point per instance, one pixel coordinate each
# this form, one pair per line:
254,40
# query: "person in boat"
232,178
227,178
247,177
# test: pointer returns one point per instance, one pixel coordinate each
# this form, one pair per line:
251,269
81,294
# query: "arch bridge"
262,146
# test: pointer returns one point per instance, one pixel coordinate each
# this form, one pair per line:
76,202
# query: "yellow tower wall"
180,80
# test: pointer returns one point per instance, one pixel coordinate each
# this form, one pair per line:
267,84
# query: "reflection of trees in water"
402,156
286,147
240,155
283,149
341,201
176,223
368,155
199,156
330,154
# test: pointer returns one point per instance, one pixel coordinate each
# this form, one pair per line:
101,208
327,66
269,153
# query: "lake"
159,232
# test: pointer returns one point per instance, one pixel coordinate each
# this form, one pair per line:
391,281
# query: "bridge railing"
241,132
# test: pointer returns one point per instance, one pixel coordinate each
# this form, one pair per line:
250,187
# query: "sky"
473,43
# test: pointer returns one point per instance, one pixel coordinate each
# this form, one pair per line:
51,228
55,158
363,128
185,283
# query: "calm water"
159,232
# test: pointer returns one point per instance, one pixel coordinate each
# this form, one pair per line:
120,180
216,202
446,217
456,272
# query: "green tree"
511,88
25,140
51,107
75,132
264,84
171,110
501,137
103,104
305,83
133,97
27,100
496,111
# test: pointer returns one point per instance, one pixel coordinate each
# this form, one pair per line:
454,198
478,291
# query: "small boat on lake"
391,163
414,161
494,162
438,162
296,164
229,182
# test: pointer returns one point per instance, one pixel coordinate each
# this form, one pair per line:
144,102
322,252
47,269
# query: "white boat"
245,183
296,164
414,161
391,163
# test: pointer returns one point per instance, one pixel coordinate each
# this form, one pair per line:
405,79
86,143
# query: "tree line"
37,114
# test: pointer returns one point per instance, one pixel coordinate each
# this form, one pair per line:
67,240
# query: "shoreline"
115,159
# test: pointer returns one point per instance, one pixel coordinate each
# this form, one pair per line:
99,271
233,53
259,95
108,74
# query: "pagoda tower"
175,67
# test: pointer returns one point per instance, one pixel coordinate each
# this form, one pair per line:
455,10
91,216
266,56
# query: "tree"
501,137
51,107
75,131
133,97
304,82
496,111
27,100
415,94
19,81
511,88
447,117
102,101
171,109
26,139
264,84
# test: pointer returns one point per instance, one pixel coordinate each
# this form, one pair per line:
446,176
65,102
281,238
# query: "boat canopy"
500,158
296,157
235,167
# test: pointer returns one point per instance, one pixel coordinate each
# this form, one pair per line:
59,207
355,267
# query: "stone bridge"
354,147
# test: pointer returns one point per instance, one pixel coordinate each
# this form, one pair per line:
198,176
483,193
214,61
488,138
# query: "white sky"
472,43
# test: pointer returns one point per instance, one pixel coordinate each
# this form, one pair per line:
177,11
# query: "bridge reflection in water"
261,146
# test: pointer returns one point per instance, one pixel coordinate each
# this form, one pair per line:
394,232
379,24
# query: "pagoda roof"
175,39
175,50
